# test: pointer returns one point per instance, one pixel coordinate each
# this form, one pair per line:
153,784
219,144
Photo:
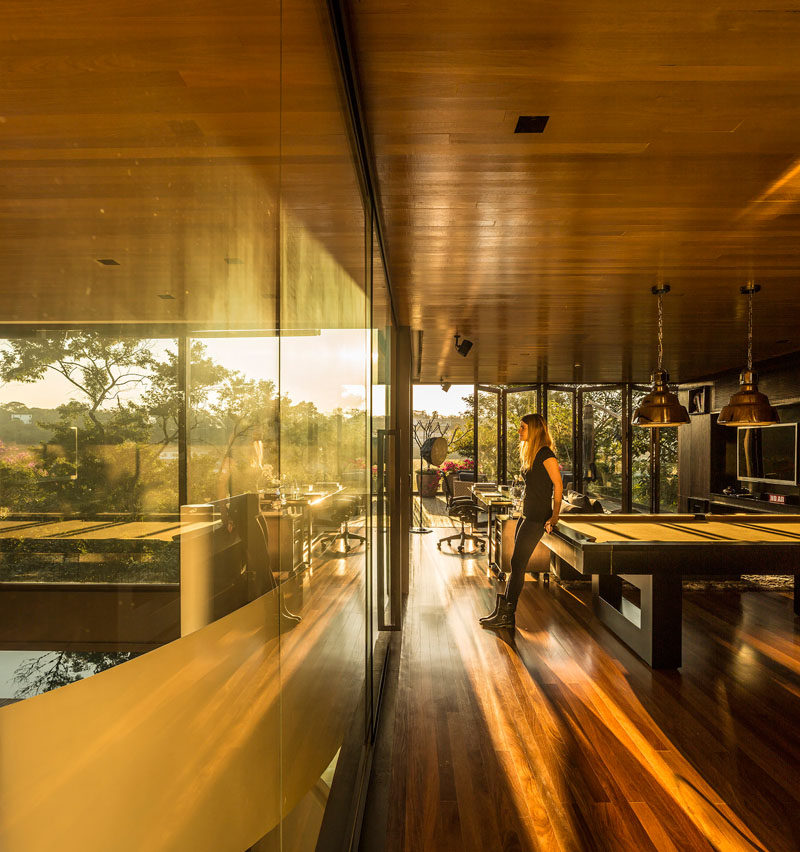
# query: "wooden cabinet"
706,458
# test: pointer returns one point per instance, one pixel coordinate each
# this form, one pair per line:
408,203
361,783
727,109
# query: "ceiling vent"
107,261
531,124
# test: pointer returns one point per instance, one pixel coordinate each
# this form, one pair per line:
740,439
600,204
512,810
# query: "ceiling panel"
672,153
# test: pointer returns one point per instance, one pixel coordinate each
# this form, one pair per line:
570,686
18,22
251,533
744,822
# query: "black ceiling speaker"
464,346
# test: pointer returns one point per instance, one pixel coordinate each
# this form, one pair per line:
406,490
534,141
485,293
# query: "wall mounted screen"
767,454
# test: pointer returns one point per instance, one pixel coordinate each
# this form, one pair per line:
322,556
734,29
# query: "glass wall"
449,413
602,446
641,481
561,423
518,404
488,419
382,469
668,470
601,408
196,385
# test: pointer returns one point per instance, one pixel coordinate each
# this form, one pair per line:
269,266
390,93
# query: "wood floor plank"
560,738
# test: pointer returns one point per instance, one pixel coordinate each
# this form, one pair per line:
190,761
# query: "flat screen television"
767,453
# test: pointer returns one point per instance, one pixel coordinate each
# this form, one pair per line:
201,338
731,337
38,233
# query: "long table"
655,552
493,503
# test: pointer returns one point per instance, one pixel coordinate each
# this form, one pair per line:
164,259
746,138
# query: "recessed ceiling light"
531,124
233,260
166,296
107,261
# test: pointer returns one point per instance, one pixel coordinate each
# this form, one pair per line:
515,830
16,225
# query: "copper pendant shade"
748,406
660,407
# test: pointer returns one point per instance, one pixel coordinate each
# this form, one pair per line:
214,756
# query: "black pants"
529,532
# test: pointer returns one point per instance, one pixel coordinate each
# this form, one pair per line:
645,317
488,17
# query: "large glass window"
668,469
641,484
560,422
488,419
518,404
448,413
602,446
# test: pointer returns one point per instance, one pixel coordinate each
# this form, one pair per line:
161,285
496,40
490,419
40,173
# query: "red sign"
777,498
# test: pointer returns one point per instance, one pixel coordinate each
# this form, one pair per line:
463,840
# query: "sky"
432,398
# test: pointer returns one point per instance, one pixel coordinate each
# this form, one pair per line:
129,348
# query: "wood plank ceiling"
167,137
672,153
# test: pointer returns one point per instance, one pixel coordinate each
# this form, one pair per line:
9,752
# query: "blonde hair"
538,437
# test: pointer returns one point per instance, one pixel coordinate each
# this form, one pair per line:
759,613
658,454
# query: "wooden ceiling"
167,137
672,153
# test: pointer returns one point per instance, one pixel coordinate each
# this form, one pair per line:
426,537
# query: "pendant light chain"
750,331
660,407
748,406
660,330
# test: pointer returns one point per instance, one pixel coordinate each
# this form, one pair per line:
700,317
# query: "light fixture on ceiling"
446,385
660,407
107,261
167,297
464,346
748,406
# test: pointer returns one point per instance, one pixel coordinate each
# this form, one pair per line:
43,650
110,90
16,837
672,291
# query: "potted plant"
451,469
428,482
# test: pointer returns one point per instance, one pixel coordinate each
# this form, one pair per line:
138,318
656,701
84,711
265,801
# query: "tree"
99,367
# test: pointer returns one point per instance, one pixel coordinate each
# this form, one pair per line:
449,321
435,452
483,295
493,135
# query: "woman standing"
540,508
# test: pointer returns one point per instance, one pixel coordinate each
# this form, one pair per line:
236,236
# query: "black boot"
493,613
504,617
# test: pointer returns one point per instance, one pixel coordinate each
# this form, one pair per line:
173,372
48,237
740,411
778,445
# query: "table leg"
489,531
652,630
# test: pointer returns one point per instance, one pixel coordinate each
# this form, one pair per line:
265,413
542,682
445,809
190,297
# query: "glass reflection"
89,503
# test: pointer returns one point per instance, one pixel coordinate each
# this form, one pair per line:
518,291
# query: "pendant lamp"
660,407
748,406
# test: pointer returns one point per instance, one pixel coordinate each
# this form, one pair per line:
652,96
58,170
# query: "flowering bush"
451,466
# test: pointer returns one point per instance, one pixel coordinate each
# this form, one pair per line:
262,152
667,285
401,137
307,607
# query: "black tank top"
538,502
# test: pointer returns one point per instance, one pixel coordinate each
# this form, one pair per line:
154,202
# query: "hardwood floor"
560,738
